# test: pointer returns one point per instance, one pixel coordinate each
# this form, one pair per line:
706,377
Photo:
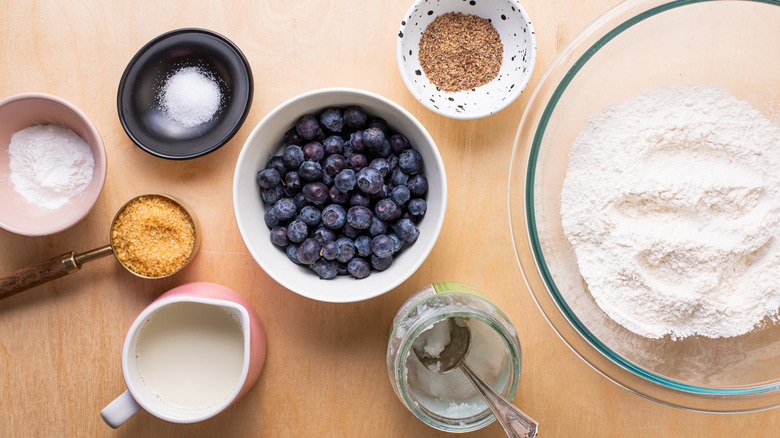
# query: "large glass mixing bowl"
636,46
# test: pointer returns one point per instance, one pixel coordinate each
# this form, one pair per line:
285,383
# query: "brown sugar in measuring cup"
152,236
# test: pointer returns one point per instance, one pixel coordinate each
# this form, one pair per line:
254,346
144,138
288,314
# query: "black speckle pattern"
516,69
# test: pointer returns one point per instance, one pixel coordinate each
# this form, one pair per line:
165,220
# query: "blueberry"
332,119
382,246
337,196
392,161
359,198
380,124
350,231
313,151
381,263
400,195
292,137
310,215
397,243
279,236
399,143
369,180
387,210
292,156
324,234
347,249
358,268
355,117
357,161
374,139
345,180
325,269
292,182
359,217
329,250
417,184
300,201
284,209
297,231
333,145
417,206
363,245
334,216
385,150
277,162
327,179
378,226
410,161
310,171
399,177
406,231
316,193
309,251
308,128
272,195
343,269
292,253
356,142
268,178
334,164
381,165
383,192
348,151
270,219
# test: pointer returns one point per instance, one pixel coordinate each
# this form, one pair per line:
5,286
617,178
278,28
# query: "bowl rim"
548,298
516,92
149,45
424,251
100,169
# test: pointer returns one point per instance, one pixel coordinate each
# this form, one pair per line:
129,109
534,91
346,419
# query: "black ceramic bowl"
138,98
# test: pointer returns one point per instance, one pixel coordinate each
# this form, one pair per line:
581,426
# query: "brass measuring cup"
56,267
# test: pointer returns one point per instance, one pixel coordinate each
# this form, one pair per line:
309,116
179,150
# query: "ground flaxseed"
153,236
460,51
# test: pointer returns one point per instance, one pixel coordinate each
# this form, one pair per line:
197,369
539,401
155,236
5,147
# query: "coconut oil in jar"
449,401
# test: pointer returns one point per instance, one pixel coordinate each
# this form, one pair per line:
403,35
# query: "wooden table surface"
60,344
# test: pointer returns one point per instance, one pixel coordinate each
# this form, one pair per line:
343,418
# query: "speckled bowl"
20,216
517,36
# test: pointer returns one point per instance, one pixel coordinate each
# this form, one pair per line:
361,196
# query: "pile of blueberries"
346,194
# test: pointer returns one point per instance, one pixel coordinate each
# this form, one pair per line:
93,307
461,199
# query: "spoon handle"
516,424
43,272
31,276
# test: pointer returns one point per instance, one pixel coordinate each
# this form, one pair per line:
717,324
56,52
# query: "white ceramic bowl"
517,36
265,141
20,216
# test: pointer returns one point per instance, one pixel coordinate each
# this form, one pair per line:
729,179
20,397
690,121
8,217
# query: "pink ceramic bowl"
19,215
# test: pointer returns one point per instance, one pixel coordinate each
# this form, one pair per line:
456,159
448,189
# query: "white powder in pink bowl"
49,164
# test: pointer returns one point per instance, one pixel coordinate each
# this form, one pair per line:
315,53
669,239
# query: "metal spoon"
513,420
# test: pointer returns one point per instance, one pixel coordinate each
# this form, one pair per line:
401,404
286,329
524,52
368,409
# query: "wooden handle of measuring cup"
23,279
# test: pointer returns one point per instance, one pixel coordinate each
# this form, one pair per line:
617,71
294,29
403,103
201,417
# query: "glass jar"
448,401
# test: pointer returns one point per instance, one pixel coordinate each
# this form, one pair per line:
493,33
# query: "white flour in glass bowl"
671,203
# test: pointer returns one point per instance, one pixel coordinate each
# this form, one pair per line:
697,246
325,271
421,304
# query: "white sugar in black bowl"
141,89
519,57
266,141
